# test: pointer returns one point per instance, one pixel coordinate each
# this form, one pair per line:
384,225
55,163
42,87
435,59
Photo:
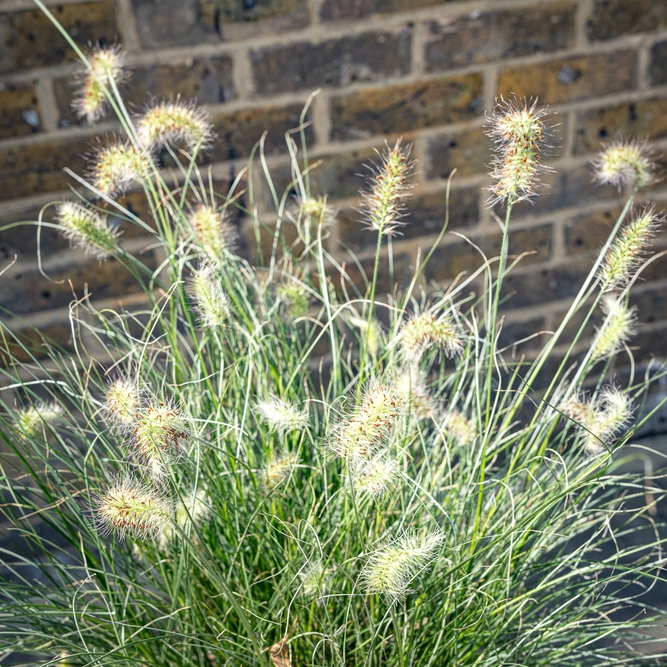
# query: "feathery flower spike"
616,330
128,508
624,161
87,229
278,470
627,251
383,201
31,420
194,511
425,331
390,570
175,123
294,296
210,301
519,132
214,233
375,477
282,416
122,401
317,210
117,167
460,428
411,386
107,65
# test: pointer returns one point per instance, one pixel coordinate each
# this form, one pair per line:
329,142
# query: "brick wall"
424,69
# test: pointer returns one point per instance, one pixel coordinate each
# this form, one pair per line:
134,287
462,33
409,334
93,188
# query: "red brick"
642,118
19,111
369,56
31,40
489,36
406,107
571,79
613,18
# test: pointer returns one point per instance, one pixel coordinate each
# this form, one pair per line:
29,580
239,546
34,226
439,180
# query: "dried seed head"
127,508
278,470
368,430
391,570
160,435
624,161
374,478
295,298
383,203
599,421
210,301
425,331
213,232
175,123
627,251
117,167
282,416
195,510
618,327
87,229
461,430
107,65
122,402
519,132
33,419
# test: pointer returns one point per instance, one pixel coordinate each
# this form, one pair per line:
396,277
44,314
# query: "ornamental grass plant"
275,464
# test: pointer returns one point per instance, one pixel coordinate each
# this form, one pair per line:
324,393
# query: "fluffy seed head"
127,508
460,428
117,167
618,327
317,210
106,66
411,387
160,435
425,331
122,402
294,296
175,123
282,416
87,229
209,299
627,251
519,131
375,477
194,510
368,430
213,232
315,581
278,470
34,418
370,332
391,570
383,203
624,161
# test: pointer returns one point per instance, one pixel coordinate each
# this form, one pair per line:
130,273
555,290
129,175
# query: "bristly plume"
618,327
173,123
519,132
459,428
214,233
107,65
425,331
625,255
317,210
282,416
411,386
211,303
117,167
195,510
277,470
391,570
294,297
122,402
33,419
375,477
600,420
623,162
383,203
128,508
86,228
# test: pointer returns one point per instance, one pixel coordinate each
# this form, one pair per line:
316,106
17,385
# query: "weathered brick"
643,118
426,216
587,233
646,345
513,332
571,79
406,107
336,62
35,344
242,19
207,80
489,36
658,65
402,273
19,111
651,304
38,168
469,152
337,10
238,132
613,18
28,290
29,39
461,257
